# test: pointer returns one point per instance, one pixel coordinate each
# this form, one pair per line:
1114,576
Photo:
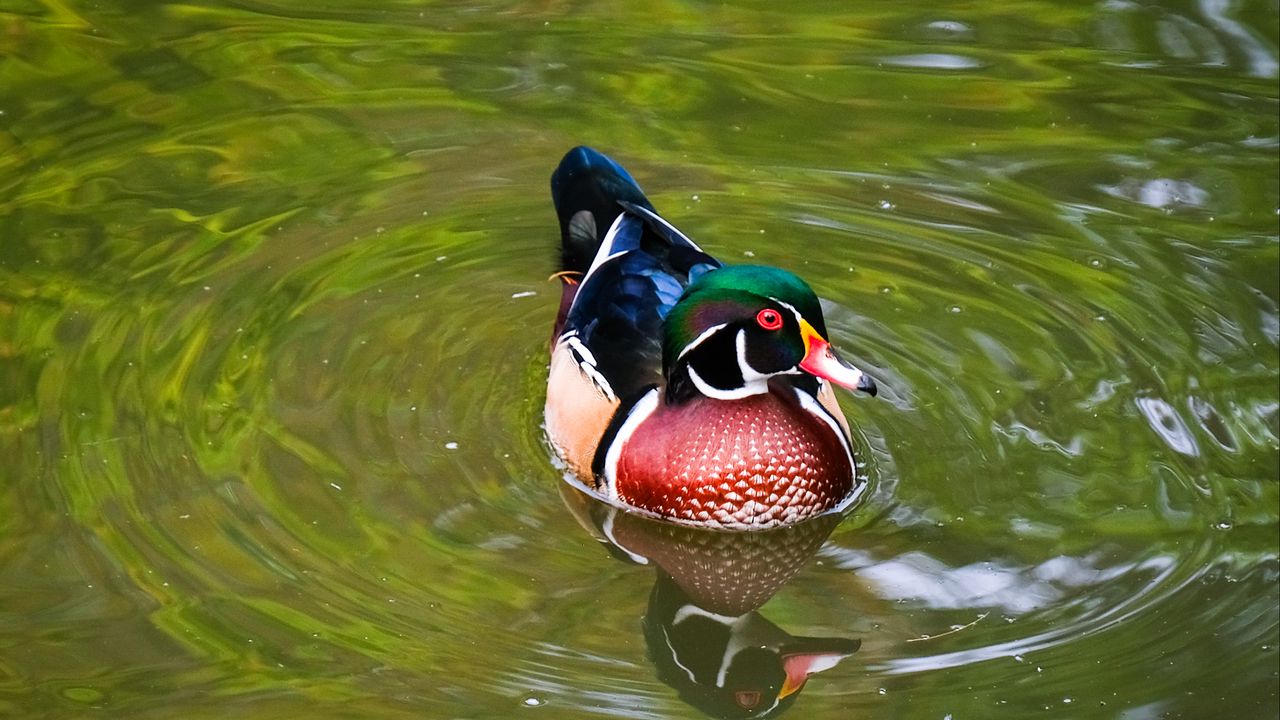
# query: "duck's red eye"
769,319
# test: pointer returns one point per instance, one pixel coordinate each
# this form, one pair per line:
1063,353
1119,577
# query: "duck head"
736,327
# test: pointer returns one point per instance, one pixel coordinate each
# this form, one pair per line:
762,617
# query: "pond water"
274,312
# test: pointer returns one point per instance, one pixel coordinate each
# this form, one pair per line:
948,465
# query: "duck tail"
588,188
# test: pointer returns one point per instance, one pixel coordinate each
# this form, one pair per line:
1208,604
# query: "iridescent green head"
738,326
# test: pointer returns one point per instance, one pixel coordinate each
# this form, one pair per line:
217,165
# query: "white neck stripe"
810,403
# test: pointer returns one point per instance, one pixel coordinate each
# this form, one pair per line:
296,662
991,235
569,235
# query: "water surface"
273,324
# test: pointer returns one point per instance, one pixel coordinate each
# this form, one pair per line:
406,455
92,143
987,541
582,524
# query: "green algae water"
274,315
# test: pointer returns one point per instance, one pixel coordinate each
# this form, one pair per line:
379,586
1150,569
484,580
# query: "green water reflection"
273,324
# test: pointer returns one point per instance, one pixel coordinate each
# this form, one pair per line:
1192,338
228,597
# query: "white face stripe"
754,382
790,307
799,318
698,340
643,408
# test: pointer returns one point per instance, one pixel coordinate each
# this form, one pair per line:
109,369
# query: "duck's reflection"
701,627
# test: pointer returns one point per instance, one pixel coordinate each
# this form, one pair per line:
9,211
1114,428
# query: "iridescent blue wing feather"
637,267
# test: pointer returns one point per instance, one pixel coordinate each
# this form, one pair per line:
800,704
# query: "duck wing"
637,269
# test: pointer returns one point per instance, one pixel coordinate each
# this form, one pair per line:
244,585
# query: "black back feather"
619,309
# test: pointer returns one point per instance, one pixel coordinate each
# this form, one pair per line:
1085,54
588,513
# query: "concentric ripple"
273,341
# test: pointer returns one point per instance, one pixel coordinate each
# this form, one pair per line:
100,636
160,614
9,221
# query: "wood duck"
681,387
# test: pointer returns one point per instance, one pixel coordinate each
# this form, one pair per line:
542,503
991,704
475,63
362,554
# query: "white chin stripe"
747,390
754,382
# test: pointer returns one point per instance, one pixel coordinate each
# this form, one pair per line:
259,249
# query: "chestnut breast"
754,462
